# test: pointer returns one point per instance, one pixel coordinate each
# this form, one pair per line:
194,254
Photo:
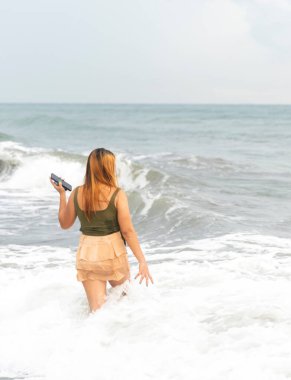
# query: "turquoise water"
208,188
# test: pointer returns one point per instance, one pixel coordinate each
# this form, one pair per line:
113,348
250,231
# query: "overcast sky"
145,51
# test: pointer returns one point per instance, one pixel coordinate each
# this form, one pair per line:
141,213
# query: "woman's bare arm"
128,231
126,226
67,213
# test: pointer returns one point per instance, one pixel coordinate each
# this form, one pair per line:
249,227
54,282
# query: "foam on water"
170,195
219,308
26,184
33,165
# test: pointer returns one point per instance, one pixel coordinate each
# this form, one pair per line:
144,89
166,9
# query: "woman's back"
106,191
104,220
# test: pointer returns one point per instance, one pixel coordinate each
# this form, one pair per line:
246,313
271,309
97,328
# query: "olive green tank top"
104,222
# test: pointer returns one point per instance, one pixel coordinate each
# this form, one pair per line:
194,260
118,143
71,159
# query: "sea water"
209,194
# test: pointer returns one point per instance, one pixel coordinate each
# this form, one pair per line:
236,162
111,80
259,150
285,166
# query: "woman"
103,211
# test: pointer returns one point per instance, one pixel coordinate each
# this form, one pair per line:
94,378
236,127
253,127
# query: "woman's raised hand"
58,187
144,273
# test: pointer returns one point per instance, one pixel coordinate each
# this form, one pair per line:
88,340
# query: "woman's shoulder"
79,188
75,189
121,196
120,190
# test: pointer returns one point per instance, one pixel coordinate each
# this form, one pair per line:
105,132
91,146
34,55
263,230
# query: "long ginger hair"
100,170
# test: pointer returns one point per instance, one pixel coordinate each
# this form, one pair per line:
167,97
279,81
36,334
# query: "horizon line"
144,103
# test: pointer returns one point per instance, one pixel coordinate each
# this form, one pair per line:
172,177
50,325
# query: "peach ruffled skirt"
102,258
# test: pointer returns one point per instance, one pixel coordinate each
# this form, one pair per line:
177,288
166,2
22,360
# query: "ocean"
208,188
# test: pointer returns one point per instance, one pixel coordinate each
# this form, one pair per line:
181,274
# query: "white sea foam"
34,168
27,196
219,308
36,164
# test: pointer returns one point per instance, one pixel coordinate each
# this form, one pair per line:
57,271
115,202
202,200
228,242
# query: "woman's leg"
114,283
96,293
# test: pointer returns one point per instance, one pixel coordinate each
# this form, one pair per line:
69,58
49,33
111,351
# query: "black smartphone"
57,179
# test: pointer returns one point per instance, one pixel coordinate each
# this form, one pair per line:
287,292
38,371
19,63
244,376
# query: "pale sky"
145,51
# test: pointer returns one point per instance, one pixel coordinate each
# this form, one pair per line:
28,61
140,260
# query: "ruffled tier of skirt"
102,258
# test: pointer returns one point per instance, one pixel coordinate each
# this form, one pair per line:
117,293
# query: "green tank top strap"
75,198
114,196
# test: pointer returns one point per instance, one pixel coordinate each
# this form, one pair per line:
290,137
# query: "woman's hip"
100,251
